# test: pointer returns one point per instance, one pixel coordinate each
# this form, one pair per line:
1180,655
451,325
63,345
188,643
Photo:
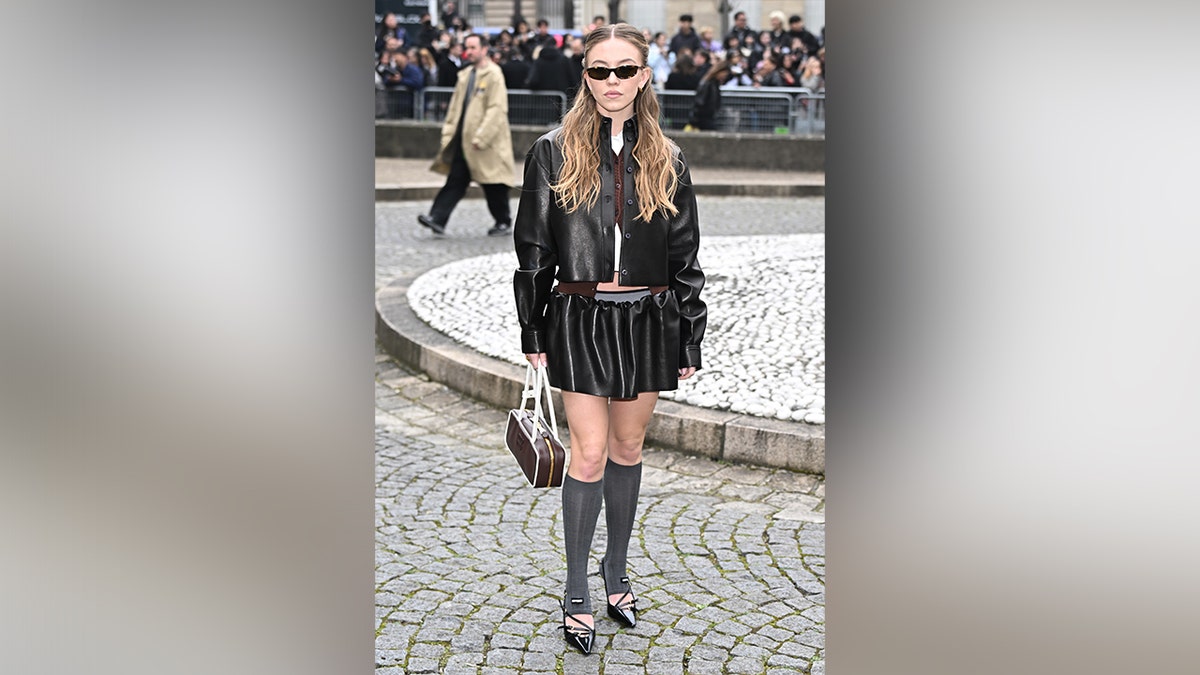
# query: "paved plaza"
727,560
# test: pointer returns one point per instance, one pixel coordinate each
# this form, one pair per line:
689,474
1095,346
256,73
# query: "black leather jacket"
578,246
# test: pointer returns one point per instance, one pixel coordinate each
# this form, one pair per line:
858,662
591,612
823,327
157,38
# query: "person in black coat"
448,64
708,97
797,30
550,71
683,77
745,36
686,38
573,51
515,69
427,33
542,38
450,15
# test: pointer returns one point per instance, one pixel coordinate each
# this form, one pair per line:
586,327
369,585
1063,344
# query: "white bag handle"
540,385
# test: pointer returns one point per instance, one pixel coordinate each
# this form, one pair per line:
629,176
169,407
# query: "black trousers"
456,186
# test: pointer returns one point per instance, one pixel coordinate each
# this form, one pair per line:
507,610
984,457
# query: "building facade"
657,15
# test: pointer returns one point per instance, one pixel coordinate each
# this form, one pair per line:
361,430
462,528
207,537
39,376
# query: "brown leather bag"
530,439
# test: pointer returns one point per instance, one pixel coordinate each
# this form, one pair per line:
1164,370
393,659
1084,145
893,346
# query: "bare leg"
587,418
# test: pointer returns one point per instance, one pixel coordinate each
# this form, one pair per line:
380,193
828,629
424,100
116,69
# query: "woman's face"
613,95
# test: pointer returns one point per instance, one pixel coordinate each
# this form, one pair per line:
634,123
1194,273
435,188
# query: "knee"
627,450
587,462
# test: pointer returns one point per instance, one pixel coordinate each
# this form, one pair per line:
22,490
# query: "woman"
388,28
708,40
812,75
708,97
608,209
428,64
740,72
730,45
660,59
684,76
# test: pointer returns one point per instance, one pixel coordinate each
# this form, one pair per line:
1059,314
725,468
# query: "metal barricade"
749,110
526,107
433,103
767,110
536,108
808,113
396,103
676,107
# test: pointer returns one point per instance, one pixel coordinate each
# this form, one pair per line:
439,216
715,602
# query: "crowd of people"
785,54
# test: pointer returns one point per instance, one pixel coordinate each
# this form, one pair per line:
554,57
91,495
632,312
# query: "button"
607,198
607,168
629,169
624,272
628,124
618,186
627,235
629,202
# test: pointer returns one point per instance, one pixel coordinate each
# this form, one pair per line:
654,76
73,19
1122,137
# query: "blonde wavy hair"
654,154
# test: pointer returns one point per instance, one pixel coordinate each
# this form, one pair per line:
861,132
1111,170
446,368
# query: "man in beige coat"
476,142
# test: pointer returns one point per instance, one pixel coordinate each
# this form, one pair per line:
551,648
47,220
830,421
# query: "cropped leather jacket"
579,246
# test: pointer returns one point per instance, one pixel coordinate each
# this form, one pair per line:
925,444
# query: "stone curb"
716,434
393,193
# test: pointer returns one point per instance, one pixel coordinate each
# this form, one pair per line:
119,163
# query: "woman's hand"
537,360
685,373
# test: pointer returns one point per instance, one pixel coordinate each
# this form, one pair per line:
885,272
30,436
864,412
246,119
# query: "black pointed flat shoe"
624,611
580,635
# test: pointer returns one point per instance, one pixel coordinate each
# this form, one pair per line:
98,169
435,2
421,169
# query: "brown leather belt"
588,288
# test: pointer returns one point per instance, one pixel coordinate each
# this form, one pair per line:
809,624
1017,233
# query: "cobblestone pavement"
728,561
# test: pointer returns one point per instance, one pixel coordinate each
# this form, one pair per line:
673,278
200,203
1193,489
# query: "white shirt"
618,142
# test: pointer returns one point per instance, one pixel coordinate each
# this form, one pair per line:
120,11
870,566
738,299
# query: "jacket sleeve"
537,253
686,277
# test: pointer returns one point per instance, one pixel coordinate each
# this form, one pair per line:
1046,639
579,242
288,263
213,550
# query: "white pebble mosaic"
764,349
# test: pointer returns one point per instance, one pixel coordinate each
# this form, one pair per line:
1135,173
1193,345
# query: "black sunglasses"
602,73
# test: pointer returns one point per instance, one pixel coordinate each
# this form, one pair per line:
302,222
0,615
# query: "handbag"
531,441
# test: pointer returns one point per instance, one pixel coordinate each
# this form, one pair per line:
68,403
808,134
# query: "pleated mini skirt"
613,348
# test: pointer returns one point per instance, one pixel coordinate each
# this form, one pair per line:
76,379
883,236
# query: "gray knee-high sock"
621,487
581,508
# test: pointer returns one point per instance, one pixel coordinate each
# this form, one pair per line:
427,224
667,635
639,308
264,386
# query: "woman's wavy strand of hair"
579,181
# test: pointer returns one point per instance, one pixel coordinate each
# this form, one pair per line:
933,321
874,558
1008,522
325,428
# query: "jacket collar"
630,126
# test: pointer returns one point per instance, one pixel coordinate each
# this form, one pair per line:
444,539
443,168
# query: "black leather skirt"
614,349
